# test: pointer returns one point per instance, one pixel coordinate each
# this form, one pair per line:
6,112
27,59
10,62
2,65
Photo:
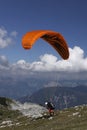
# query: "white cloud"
3,62
48,63
21,62
76,62
3,32
48,67
14,33
52,84
48,59
6,38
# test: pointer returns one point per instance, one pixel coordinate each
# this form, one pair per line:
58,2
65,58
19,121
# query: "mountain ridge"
62,97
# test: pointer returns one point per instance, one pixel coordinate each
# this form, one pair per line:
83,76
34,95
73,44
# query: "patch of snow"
29,109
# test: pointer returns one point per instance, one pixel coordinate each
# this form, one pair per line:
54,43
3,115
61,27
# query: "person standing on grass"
50,108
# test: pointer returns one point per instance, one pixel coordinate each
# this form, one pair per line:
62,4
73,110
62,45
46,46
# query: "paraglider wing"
55,39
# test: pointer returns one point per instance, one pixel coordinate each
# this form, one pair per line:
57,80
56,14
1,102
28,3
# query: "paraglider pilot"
50,108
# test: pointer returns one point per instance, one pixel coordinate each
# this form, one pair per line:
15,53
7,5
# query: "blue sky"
69,17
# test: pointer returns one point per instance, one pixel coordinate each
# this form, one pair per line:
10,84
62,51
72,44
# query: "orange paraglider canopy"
55,39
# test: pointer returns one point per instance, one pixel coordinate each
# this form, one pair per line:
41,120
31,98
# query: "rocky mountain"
62,97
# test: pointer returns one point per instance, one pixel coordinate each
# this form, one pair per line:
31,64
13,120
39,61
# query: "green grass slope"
67,119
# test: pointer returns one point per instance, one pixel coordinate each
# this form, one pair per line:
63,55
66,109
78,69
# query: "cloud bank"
47,65
77,62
